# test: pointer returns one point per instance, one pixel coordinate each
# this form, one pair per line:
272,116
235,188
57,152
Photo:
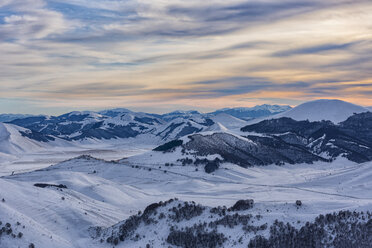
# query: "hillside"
324,109
351,138
16,140
87,202
276,141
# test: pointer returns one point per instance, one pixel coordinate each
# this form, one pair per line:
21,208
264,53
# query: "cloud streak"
157,54
315,49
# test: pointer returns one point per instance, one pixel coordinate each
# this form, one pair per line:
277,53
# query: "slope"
323,109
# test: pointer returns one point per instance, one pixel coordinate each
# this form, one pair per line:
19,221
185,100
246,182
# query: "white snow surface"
323,109
17,149
12,142
104,193
228,121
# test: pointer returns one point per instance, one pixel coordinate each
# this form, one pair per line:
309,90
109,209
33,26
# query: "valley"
186,180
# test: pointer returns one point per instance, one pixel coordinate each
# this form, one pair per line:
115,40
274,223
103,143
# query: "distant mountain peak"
253,112
183,112
91,113
12,117
118,110
323,109
114,112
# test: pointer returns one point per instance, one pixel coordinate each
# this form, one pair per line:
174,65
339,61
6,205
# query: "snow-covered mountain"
11,117
319,195
253,112
184,124
274,141
352,138
16,140
228,121
323,109
114,112
180,114
210,150
118,123
109,128
123,123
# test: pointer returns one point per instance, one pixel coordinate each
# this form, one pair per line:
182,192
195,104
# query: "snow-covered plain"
20,154
28,161
101,193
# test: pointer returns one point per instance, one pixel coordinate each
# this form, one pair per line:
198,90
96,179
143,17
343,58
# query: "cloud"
154,53
132,20
241,85
30,20
315,49
97,89
245,11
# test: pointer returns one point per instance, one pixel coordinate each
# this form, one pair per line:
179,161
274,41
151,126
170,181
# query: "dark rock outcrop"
351,138
250,151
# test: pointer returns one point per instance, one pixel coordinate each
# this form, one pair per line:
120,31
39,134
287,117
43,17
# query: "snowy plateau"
268,176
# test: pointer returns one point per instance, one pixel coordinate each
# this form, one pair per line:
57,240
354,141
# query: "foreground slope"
186,224
83,201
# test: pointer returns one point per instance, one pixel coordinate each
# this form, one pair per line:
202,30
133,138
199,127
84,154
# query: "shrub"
169,146
243,205
196,237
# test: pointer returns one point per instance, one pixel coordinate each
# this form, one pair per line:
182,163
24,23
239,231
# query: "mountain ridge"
124,123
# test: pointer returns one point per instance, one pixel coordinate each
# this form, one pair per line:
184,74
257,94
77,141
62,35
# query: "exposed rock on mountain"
276,141
351,138
249,151
117,123
180,127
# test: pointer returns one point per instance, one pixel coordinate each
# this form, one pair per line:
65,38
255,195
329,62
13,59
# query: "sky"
160,55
